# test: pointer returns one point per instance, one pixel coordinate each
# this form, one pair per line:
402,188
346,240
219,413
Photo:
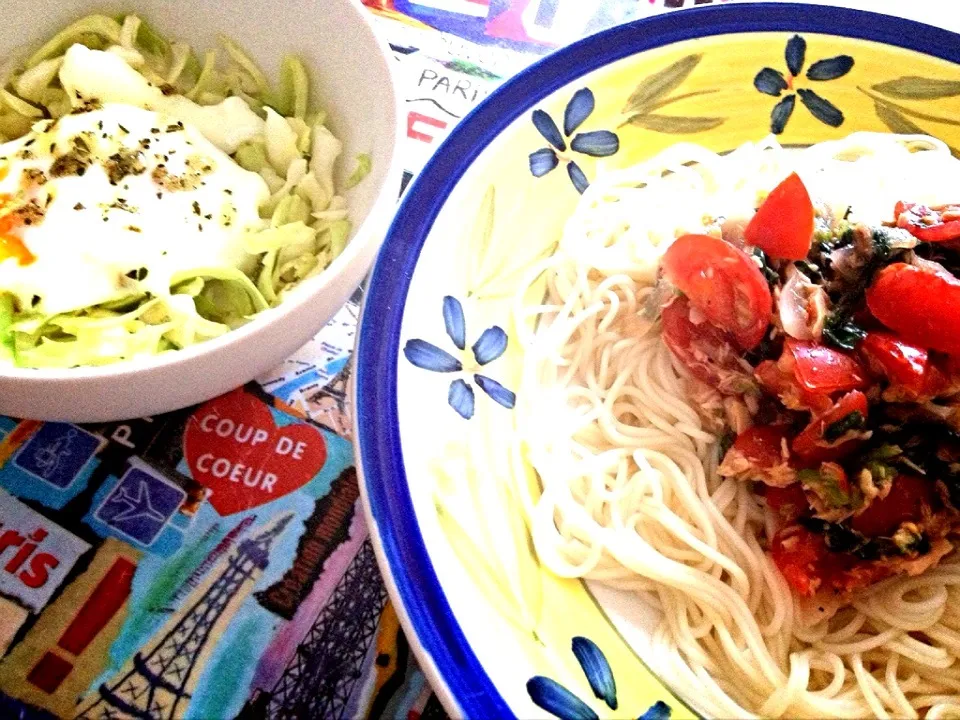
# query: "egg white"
94,232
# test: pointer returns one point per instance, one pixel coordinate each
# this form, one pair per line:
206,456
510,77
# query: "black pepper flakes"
35,300
78,206
88,106
34,176
80,145
123,129
29,142
69,164
155,130
123,163
208,216
138,274
134,228
30,213
196,208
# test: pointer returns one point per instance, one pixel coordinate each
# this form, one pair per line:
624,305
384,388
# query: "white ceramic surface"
351,72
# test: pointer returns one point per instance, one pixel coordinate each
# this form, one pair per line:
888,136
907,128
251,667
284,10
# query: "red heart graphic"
235,449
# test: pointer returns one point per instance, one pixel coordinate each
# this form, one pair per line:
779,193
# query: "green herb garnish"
836,430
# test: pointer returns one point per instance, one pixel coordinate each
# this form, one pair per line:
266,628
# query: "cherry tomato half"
709,353
908,496
723,283
907,367
762,445
921,304
823,370
789,502
931,224
778,378
800,555
783,225
815,442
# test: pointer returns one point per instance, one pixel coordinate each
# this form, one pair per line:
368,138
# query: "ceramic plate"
438,359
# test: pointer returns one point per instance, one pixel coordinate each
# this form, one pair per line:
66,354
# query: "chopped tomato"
922,304
817,441
789,502
808,565
783,225
710,354
906,366
762,445
936,223
782,382
908,496
801,556
823,370
723,283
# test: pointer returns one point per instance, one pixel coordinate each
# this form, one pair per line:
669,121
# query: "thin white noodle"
630,496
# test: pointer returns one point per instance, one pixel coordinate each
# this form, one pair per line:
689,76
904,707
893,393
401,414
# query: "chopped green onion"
246,63
207,75
364,165
98,25
19,106
7,346
294,96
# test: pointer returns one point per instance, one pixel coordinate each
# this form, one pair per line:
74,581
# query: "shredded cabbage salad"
304,222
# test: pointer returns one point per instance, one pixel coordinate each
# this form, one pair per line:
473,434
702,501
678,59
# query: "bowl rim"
453,668
367,232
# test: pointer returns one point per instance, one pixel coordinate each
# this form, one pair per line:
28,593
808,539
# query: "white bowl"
351,72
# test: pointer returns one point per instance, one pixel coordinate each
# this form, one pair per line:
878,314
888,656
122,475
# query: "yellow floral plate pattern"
438,360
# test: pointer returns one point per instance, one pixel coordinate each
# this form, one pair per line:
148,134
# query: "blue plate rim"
403,554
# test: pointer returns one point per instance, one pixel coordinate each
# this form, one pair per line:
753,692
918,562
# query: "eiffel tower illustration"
320,678
157,682
331,404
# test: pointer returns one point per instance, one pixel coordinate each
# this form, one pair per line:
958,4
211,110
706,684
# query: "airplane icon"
138,506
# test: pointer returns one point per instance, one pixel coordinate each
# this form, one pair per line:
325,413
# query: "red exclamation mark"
106,599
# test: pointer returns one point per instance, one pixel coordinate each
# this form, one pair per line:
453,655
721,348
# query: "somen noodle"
630,494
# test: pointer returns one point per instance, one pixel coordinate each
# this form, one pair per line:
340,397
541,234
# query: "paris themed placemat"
214,562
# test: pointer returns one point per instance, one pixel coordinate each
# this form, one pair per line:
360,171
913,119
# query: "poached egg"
121,195
94,200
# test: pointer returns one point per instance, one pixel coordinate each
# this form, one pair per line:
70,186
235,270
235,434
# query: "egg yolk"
11,246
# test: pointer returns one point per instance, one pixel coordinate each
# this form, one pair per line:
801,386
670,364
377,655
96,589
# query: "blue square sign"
140,505
57,453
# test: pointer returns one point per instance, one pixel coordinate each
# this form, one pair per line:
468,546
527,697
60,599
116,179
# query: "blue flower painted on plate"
561,702
596,143
772,82
489,346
